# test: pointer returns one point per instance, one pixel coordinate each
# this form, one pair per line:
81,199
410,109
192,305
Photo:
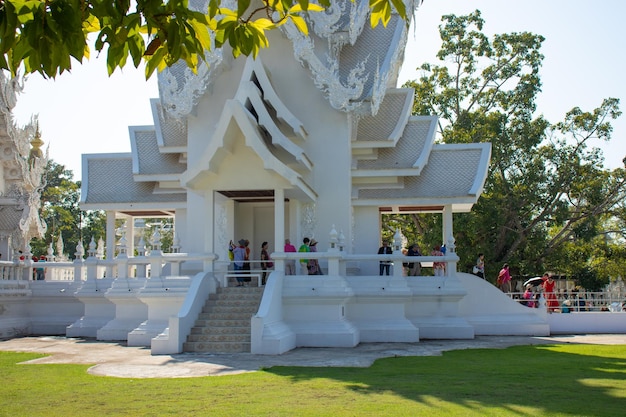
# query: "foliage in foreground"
45,36
555,380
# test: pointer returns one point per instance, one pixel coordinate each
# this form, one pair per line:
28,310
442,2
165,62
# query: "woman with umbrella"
548,292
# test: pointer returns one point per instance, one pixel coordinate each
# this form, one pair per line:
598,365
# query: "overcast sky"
88,112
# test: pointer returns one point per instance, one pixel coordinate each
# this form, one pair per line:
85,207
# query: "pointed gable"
268,128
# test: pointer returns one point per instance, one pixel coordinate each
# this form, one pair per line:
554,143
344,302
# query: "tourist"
414,268
385,265
304,263
246,265
314,265
565,307
504,279
439,268
40,271
405,265
548,285
34,259
479,268
265,262
239,255
290,264
529,295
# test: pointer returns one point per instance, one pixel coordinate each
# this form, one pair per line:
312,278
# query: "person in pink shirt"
290,264
504,279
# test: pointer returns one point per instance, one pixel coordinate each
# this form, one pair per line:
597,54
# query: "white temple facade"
310,139
313,138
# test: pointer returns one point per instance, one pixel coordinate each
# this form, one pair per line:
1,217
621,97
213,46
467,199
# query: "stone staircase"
224,324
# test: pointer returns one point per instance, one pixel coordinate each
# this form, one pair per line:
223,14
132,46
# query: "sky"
86,111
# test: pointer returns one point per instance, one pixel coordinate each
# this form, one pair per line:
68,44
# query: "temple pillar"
110,235
279,224
448,238
208,227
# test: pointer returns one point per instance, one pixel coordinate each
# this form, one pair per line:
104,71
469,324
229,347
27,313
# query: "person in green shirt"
304,262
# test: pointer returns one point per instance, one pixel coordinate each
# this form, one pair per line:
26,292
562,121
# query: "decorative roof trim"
254,68
422,160
217,147
152,206
132,132
403,117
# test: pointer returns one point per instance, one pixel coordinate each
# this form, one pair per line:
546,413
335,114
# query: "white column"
130,236
279,224
209,227
448,236
279,219
448,239
110,235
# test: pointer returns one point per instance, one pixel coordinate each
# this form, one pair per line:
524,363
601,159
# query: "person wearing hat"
304,263
314,265
414,268
239,256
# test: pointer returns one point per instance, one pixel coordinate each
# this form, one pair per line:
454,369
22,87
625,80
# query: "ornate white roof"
397,163
108,184
149,162
171,133
455,175
350,62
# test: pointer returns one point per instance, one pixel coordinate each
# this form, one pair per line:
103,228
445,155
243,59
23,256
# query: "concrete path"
118,360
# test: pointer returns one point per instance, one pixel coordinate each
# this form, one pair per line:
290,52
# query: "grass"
552,380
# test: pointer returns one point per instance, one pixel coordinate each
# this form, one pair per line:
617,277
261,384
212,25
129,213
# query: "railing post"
78,261
156,262
141,255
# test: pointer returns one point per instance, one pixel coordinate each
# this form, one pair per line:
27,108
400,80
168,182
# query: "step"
223,323
234,302
221,330
219,338
232,315
237,293
214,347
243,308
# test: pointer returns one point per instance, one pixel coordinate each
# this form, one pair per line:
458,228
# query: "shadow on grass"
557,379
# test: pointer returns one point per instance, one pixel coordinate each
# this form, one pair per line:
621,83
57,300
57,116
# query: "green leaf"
242,6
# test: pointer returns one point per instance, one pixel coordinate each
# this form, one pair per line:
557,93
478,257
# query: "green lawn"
552,380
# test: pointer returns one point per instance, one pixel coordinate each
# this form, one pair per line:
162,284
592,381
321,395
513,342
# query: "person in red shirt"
504,279
290,264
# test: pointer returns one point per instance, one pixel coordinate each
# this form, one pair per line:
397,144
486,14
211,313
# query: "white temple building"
22,164
310,139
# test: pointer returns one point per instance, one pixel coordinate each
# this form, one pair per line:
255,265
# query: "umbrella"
534,281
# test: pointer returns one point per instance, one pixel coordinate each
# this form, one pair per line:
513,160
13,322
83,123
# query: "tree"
546,189
44,35
61,212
